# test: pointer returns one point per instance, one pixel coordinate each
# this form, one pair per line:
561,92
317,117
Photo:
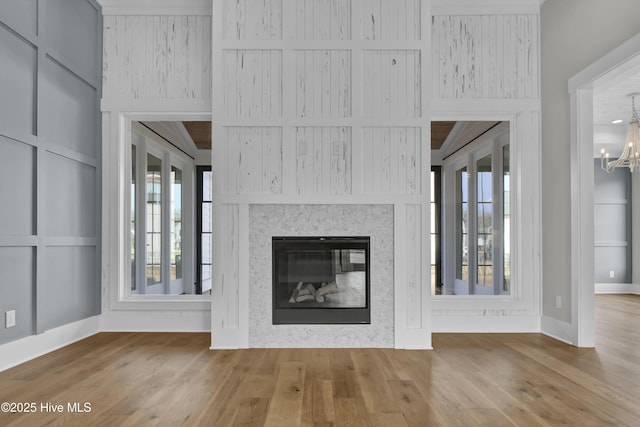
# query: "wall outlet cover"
10,319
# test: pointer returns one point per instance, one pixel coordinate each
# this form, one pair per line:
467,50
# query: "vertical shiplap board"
254,160
323,83
322,20
253,81
157,57
414,265
231,273
485,56
252,20
391,20
225,310
391,162
391,83
323,160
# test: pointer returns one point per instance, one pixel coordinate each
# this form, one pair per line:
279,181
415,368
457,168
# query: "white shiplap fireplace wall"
323,103
328,103
321,106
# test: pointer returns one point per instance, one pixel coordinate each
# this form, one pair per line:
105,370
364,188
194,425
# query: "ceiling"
200,133
612,102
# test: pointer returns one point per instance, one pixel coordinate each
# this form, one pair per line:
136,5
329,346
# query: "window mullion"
141,218
165,228
472,171
497,222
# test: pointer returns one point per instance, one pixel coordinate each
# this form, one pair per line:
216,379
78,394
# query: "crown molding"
156,7
204,7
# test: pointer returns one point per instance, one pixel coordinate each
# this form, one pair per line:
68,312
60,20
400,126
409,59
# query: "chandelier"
630,157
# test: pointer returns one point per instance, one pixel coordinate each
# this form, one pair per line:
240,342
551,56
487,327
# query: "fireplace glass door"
320,280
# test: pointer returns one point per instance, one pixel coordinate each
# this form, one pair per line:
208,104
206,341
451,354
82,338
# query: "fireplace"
321,280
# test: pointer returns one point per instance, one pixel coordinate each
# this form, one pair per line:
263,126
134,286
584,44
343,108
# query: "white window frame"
469,157
517,299
121,297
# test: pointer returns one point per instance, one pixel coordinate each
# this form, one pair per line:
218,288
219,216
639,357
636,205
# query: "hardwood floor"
468,379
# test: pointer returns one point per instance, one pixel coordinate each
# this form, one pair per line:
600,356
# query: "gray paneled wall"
612,225
49,163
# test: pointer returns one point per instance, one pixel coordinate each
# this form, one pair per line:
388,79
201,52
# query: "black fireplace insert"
321,280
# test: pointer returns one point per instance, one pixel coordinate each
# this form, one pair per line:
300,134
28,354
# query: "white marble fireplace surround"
375,221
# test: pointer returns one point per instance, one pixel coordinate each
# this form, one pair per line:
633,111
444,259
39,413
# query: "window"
436,206
153,222
204,266
484,229
462,225
161,262
479,216
506,221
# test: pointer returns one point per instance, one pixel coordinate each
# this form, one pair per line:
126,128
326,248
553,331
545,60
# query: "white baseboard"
617,288
229,338
24,349
412,339
485,324
559,330
157,321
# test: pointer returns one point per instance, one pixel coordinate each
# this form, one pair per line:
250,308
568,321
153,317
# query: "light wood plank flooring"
173,379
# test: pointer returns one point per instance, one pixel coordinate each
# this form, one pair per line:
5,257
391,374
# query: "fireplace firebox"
321,280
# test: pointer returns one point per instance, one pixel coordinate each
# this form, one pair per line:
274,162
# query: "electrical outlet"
558,301
612,274
10,319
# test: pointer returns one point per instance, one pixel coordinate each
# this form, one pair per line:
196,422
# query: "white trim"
486,7
159,107
485,324
115,218
228,339
617,288
482,109
413,339
557,329
602,72
617,64
155,7
25,349
525,153
158,321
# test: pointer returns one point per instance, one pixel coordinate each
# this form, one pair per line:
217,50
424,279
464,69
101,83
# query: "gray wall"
50,76
574,34
612,224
